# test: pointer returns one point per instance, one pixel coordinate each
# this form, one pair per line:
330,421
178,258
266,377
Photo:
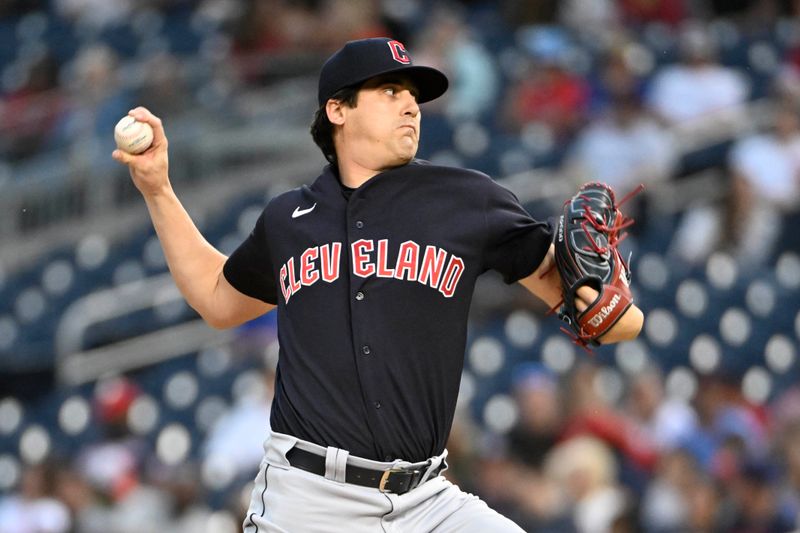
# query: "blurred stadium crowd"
694,427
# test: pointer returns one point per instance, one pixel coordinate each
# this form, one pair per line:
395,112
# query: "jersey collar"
329,183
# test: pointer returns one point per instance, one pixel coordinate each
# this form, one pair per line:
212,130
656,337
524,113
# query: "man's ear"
335,112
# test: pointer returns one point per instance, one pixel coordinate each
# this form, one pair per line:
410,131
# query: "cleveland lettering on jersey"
433,266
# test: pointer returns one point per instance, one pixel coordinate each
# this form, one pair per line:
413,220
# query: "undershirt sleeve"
249,268
515,242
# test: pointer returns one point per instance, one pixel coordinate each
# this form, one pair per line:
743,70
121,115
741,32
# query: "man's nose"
411,107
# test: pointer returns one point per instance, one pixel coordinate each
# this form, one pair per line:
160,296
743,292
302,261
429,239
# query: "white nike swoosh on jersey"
300,212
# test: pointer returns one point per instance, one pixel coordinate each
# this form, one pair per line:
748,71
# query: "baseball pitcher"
371,268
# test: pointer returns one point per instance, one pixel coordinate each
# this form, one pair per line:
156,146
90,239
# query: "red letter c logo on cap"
399,52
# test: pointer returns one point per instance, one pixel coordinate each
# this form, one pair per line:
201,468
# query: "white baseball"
133,136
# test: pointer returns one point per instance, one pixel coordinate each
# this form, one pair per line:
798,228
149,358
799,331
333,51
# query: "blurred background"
121,411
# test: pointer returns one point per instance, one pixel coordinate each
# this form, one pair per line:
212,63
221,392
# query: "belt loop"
336,464
341,465
435,464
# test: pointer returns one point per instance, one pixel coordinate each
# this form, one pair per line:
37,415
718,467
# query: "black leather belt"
396,480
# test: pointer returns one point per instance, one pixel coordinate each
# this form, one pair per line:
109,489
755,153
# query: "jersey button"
359,224
366,349
377,405
359,296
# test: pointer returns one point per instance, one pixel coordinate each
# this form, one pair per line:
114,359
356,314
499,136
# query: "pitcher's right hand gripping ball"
588,232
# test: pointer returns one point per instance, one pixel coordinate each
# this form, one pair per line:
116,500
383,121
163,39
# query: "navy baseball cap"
358,61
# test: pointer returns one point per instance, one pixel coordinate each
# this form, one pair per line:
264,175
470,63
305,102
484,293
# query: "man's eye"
390,90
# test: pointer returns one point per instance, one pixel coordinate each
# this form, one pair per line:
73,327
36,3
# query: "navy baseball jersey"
373,288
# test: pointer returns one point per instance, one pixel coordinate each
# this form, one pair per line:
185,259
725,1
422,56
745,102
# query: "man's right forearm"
195,264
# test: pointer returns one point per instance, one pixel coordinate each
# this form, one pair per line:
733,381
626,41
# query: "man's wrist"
162,191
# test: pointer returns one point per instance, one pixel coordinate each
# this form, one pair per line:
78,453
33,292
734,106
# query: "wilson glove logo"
604,311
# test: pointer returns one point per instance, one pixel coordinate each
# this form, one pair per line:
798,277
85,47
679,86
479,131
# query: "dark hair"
321,127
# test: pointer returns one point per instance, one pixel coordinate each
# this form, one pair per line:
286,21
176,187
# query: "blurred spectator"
97,100
447,43
535,501
237,438
29,114
755,501
765,188
586,469
496,475
541,417
590,414
729,432
112,465
35,508
667,421
540,502
548,94
698,92
618,75
684,498
624,146
664,505
765,173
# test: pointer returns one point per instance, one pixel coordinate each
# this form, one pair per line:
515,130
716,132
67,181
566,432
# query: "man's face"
382,130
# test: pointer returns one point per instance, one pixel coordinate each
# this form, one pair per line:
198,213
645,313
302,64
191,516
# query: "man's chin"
408,149
404,159
409,157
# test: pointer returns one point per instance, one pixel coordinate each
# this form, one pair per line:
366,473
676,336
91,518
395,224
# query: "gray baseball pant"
289,500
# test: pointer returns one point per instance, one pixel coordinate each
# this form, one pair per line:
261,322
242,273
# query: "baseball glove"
588,232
